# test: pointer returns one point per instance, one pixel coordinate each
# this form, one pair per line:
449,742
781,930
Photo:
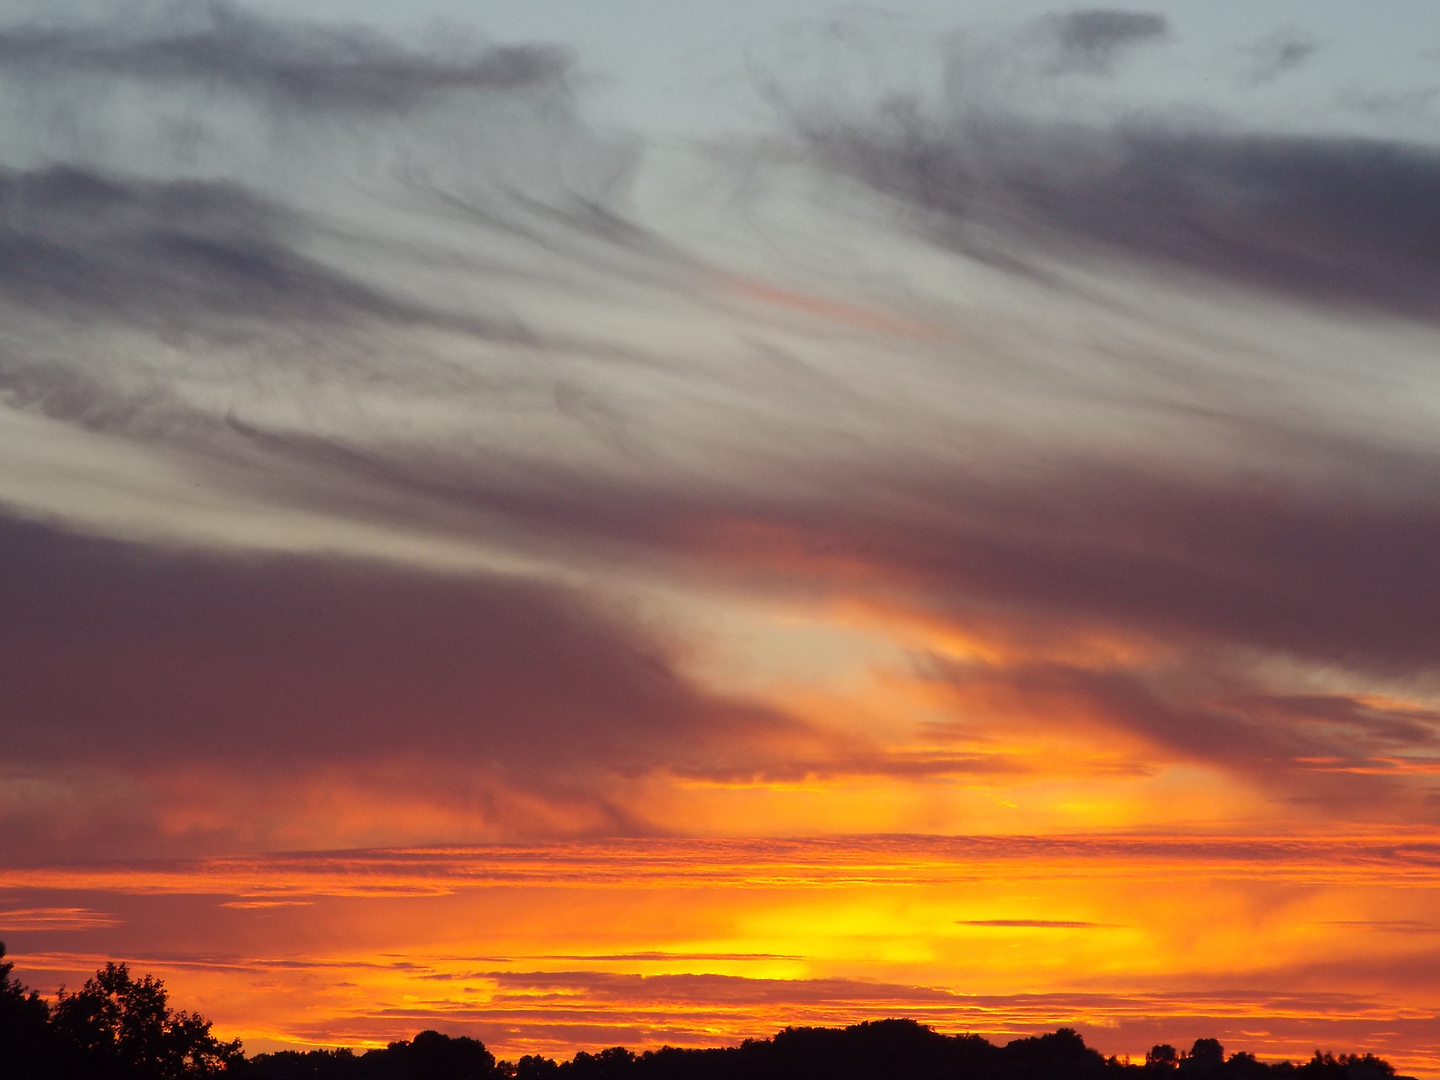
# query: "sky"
577,524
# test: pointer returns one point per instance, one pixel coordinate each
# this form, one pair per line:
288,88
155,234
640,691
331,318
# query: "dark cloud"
119,656
1213,574
1216,573
83,812
1196,568
1333,220
177,256
293,65
1322,573
1092,41
111,654
1280,52
164,205
224,289
215,281
1332,746
1329,577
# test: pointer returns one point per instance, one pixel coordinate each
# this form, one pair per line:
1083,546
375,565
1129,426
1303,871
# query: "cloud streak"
1327,220
291,65
1091,41
1277,54
179,257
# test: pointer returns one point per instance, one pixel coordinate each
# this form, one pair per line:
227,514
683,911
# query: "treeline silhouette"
117,1027
876,1050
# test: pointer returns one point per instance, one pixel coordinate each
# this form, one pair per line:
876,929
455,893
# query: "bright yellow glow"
560,947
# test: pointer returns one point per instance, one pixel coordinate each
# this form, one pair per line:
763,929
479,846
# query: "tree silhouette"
429,1056
1205,1060
24,1036
433,1056
1161,1056
116,1027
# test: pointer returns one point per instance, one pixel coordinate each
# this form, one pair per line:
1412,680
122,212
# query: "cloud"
155,698
179,257
746,863
206,281
292,65
1322,574
1329,220
1201,588
449,324
1091,41
56,918
115,654
1277,54
1318,746
1417,103
203,276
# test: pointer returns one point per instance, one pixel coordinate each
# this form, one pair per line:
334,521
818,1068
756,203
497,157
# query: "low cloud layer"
114,653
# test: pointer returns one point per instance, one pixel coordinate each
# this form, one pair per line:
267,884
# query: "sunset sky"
579,522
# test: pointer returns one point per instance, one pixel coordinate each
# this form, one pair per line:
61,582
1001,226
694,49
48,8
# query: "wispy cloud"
56,918
1329,220
1277,54
1092,40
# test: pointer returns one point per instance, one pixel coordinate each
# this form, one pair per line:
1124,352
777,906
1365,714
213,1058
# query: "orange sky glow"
691,942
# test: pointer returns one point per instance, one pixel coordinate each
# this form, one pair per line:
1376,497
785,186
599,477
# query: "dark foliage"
119,1028
429,1056
115,1027
882,1050
23,1032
